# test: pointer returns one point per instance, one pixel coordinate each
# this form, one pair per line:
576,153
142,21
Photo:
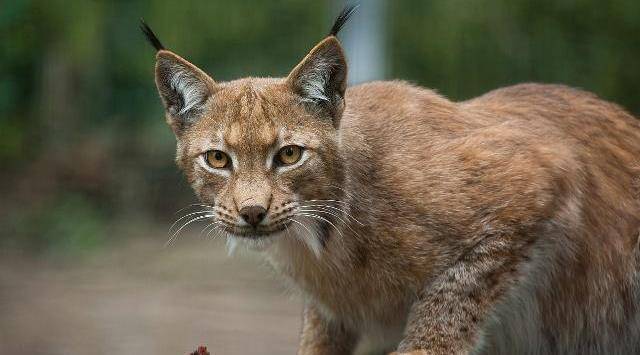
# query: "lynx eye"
217,159
289,155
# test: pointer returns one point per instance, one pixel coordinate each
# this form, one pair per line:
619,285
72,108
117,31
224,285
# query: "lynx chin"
411,224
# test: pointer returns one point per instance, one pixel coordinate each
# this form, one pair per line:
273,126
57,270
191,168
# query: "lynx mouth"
258,233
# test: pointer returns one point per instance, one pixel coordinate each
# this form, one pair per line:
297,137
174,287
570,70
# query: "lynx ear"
321,77
183,87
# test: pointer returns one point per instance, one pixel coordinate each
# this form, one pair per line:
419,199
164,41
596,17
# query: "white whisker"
333,201
313,242
185,216
219,232
192,205
316,210
171,239
323,219
210,227
345,223
333,208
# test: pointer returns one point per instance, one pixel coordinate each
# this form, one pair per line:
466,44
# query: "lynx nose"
253,214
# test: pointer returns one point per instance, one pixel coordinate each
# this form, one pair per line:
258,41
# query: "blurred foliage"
465,48
83,143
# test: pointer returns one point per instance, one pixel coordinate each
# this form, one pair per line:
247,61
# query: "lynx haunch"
505,224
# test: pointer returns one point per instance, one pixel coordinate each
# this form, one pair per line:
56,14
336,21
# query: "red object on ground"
202,350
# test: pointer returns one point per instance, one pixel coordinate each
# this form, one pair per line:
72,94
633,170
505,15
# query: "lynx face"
257,155
261,152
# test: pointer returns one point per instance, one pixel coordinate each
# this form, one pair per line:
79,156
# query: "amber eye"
289,155
217,159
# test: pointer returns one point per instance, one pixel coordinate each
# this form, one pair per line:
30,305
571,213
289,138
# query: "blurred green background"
88,187
85,154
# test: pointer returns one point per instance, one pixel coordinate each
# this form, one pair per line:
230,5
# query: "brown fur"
508,223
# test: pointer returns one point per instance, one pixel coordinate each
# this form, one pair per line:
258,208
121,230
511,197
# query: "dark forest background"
86,158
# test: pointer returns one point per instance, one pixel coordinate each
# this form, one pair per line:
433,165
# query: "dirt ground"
142,298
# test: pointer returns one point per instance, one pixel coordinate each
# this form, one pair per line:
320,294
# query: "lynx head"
261,152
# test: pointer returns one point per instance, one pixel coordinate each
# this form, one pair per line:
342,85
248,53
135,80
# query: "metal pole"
364,40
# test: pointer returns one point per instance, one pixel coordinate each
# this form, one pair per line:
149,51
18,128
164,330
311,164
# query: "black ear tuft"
151,37
344,16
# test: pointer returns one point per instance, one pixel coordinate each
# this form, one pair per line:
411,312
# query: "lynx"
505,224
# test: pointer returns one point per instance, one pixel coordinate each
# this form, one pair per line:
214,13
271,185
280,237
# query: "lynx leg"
320,336
448,316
